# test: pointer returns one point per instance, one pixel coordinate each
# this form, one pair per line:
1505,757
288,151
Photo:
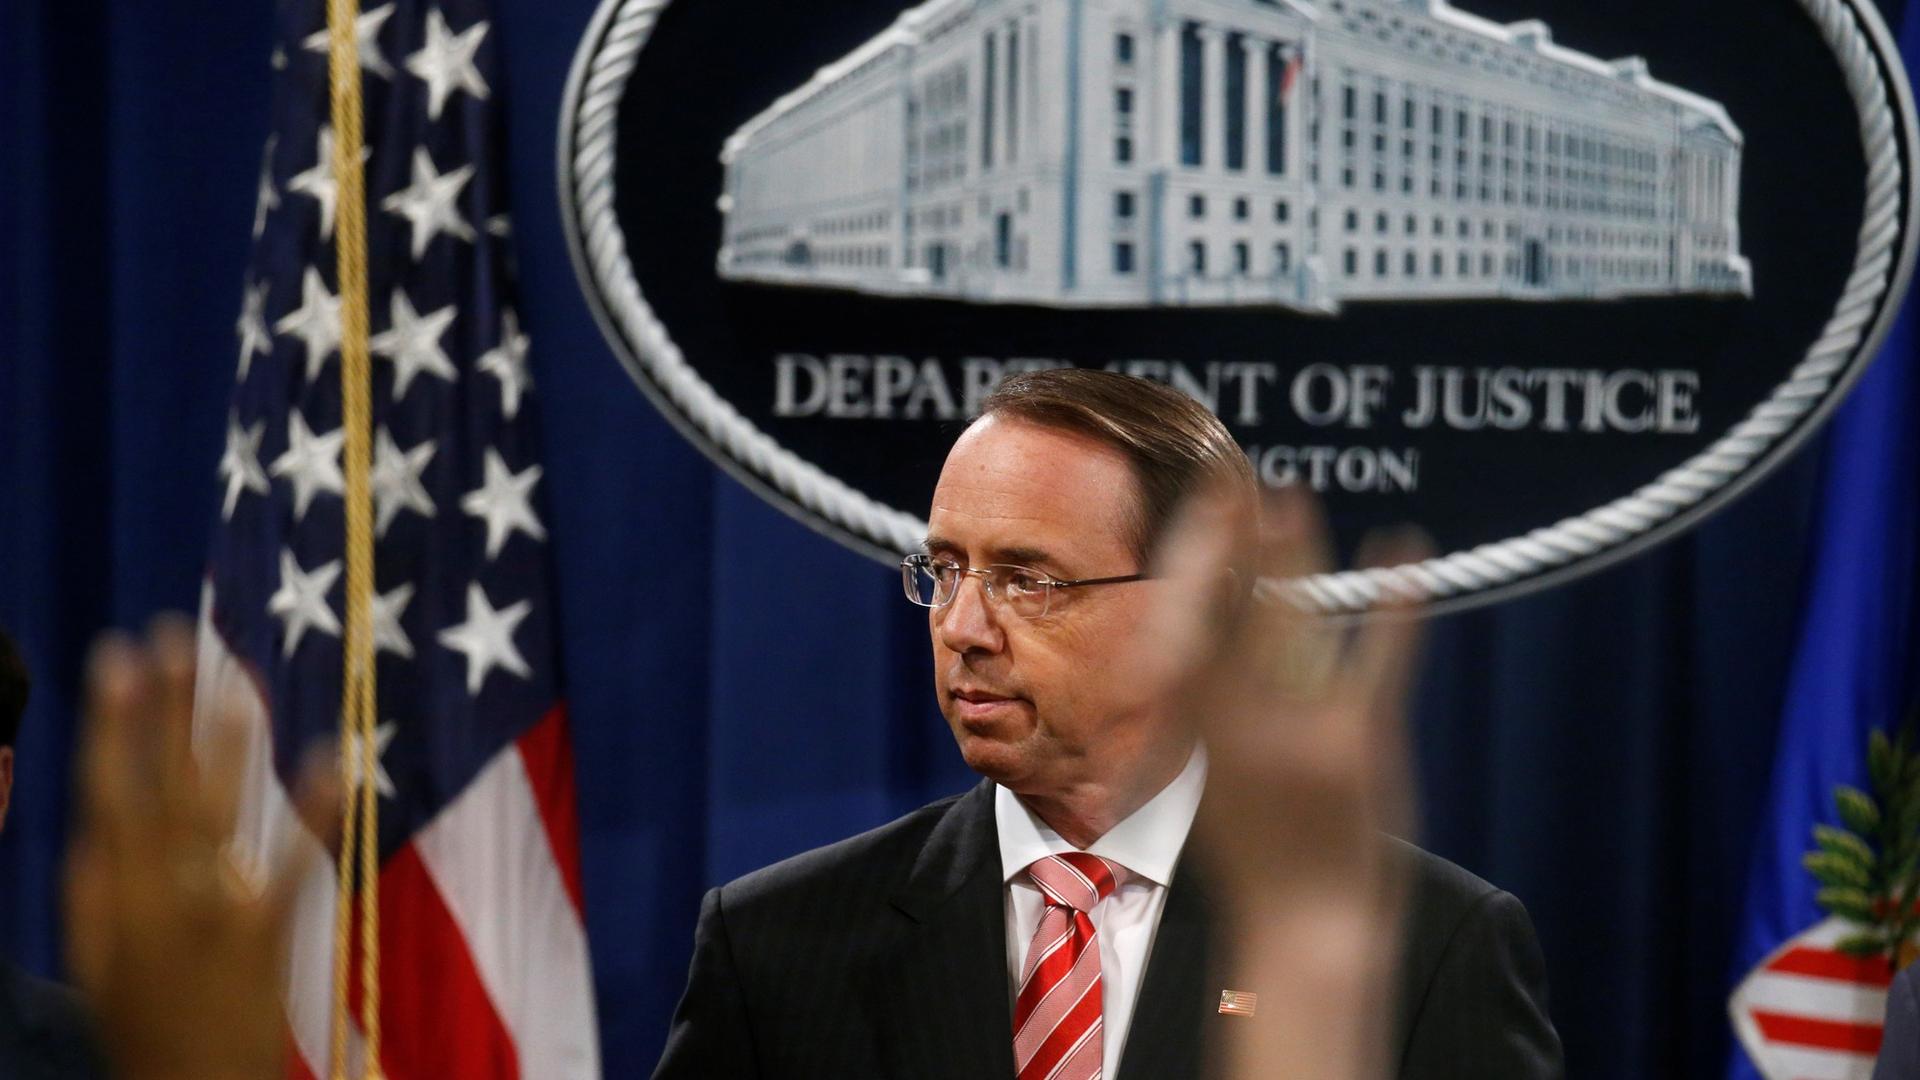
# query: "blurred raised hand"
179,949
1308,773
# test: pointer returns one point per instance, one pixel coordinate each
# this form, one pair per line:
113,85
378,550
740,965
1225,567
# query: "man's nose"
969,621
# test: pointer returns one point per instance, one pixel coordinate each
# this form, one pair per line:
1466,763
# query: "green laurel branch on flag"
1866,867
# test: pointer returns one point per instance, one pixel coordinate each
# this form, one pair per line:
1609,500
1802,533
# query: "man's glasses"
933,582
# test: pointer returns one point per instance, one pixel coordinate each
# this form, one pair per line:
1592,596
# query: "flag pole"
360,834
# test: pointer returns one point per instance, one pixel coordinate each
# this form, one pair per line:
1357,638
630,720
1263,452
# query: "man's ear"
6,783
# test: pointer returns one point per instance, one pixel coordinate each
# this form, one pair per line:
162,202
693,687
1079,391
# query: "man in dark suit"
44,1033
1900,1043
1052,921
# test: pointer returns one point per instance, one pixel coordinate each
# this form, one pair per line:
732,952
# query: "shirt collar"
1147,842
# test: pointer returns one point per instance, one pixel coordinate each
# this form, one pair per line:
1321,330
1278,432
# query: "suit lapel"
940,1002
1170,1015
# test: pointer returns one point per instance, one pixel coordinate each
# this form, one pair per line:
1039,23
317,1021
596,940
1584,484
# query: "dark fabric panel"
55,432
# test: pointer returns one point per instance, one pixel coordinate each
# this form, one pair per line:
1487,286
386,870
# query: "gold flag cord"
360,832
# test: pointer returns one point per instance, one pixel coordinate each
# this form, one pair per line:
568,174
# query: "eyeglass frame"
919,559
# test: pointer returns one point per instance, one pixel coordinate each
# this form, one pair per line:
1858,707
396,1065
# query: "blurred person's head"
13,706
1073,474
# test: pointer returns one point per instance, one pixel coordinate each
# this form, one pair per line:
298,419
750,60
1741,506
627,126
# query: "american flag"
484,964
1293,57
1238,1002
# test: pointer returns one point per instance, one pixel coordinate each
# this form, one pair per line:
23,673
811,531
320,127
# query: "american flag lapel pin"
1238,1002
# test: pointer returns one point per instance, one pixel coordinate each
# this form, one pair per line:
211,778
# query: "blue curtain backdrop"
742,688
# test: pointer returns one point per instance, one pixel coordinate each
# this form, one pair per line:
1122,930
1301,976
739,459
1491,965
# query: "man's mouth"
981,695
981,707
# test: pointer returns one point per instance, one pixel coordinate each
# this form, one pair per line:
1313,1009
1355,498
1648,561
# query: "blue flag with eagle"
1820,934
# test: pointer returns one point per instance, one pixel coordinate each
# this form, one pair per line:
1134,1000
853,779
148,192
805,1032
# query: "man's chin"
998,760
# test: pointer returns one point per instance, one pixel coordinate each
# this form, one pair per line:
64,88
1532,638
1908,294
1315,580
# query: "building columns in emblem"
1163,147
1213,97
1160,110
1257,103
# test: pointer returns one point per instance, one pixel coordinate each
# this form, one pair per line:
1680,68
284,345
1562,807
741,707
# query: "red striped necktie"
1057,1028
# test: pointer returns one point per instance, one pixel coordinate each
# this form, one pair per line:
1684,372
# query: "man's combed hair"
1177,447
13,690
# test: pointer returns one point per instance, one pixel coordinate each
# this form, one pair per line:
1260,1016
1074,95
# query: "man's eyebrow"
1024,556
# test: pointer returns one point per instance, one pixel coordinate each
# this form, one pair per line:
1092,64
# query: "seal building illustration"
1130,153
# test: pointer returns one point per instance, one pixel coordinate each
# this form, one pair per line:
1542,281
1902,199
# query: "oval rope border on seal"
1883,262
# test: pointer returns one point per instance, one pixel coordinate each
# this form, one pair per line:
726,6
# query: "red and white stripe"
483,949
1057,1022
1811,1012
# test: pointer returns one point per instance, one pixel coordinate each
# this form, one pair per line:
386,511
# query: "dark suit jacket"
885,956
1900,1045
44,1032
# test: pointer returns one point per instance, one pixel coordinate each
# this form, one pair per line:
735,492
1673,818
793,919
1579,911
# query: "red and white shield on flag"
1811,1012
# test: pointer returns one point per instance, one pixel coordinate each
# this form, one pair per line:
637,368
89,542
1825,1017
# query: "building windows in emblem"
1282,259
1123,258
1236,102
1350,262
1240,208
1013,93
1123,205
1192,76
1242,258
1196,206
1197,258
986,103
1280,211
1123,150
1282,67
1123,49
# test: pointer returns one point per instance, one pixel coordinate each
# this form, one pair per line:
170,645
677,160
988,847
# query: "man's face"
1044,704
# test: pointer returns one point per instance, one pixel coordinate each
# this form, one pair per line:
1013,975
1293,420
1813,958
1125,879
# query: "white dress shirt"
1148,844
